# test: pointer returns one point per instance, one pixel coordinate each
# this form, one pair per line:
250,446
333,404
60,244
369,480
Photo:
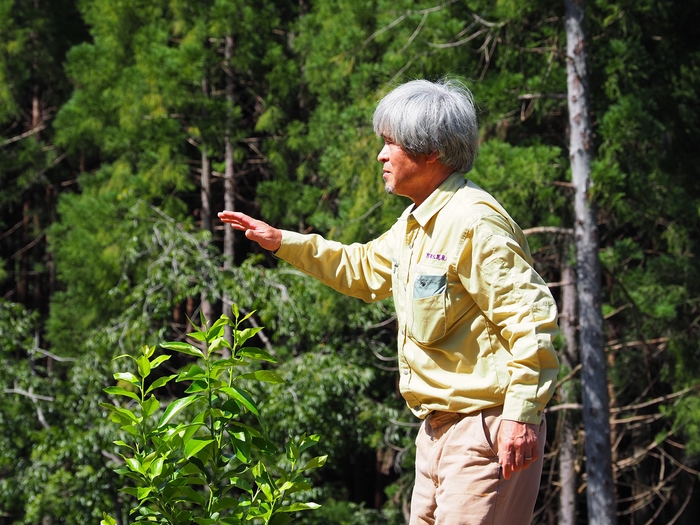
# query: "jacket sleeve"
496,270
359,270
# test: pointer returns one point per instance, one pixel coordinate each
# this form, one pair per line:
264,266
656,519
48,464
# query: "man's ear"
432,157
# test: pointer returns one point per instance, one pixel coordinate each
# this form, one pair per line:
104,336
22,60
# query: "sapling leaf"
232,520
189,494
226,503
292,452
248,315
263,481
119,391
161,381
250,430
243,335
122,414
128,377
308,442
196,386
107,519
257,353
242,397
135,465
183,348
144,366
316,462
157,467
129,474
242,446
218,344
299,506
299,486
175,408
199,336
192,373
150,406
280,519
159,360
267,376
131,429
234,309
193,446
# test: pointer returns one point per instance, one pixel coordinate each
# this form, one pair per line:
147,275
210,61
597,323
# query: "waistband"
438,418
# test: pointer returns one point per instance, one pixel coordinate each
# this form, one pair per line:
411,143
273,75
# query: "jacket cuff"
523,411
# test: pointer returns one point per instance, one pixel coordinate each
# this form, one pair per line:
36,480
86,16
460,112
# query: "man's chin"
389,189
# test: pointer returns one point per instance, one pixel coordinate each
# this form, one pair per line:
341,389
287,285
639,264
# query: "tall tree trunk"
600,492
229,182
567,439
205,195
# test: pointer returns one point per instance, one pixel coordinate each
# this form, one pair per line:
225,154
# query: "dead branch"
28,246
654,401
533,96
549,229
23,135
404,16
564,406
28,393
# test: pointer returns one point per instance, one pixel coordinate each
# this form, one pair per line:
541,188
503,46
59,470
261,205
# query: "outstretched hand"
266,236
518,446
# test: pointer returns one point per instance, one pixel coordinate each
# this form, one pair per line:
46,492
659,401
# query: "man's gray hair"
423,117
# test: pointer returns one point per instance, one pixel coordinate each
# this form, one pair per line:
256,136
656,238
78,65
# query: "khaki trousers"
458,478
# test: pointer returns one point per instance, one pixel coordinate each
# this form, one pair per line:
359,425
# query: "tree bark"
229,182
205,195
568,426
600,494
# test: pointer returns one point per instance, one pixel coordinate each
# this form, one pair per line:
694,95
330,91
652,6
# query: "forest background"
125,125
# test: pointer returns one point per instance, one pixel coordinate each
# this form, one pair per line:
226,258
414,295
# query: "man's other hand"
266,236
518,446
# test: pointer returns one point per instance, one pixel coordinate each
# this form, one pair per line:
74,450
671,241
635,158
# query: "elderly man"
475,321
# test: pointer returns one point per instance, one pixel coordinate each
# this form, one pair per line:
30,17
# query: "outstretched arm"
266,236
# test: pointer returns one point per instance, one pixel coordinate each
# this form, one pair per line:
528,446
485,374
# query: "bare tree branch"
549,229
28,393
654,401
23,135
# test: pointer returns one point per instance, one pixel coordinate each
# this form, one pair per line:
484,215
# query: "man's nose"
383,155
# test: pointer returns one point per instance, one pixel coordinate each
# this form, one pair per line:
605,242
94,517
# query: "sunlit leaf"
267,376
161,381
175,408
119,391
183,348
257,353
242,397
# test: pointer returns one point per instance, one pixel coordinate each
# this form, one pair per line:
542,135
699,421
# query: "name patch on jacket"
436,256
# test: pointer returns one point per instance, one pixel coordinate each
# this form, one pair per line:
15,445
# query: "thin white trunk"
205,195
229,182
600,493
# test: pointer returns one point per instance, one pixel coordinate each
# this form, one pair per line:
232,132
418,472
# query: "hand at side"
518,446
266,236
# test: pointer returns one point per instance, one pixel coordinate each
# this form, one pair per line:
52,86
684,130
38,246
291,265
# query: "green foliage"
206,468
143,94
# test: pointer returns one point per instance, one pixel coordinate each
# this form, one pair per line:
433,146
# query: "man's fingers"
236,219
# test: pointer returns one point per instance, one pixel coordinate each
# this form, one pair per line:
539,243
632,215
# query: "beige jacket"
476,322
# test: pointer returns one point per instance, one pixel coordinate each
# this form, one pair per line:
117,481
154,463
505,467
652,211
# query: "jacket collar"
436,200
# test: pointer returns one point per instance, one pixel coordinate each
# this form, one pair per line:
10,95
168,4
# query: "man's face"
403,172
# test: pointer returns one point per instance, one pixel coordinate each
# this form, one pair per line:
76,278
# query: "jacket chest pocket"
429,320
